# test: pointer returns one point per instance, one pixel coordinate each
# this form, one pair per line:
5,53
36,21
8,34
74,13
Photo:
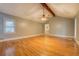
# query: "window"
9,26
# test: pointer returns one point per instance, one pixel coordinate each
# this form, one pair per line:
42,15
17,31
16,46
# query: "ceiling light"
43,18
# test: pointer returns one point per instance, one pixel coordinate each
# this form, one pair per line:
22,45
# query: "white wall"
57,26
61,27
24,27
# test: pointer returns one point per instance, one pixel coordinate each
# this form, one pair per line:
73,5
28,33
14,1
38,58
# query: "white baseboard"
61,36
20,37
34,36
77,41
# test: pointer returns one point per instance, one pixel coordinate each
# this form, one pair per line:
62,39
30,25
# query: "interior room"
39,29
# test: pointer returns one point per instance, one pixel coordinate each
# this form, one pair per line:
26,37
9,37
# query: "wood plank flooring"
39,46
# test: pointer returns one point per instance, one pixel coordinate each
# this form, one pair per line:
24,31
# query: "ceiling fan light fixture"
43,18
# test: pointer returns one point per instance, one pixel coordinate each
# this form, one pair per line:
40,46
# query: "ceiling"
34,11
68,10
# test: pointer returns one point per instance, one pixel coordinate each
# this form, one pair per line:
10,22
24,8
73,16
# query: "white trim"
75,32
77,41
61,35
75,29
20,37
34,36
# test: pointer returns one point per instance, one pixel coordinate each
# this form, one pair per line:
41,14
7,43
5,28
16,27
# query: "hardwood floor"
39,46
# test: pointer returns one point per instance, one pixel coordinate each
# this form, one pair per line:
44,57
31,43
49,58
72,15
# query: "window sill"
9,32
